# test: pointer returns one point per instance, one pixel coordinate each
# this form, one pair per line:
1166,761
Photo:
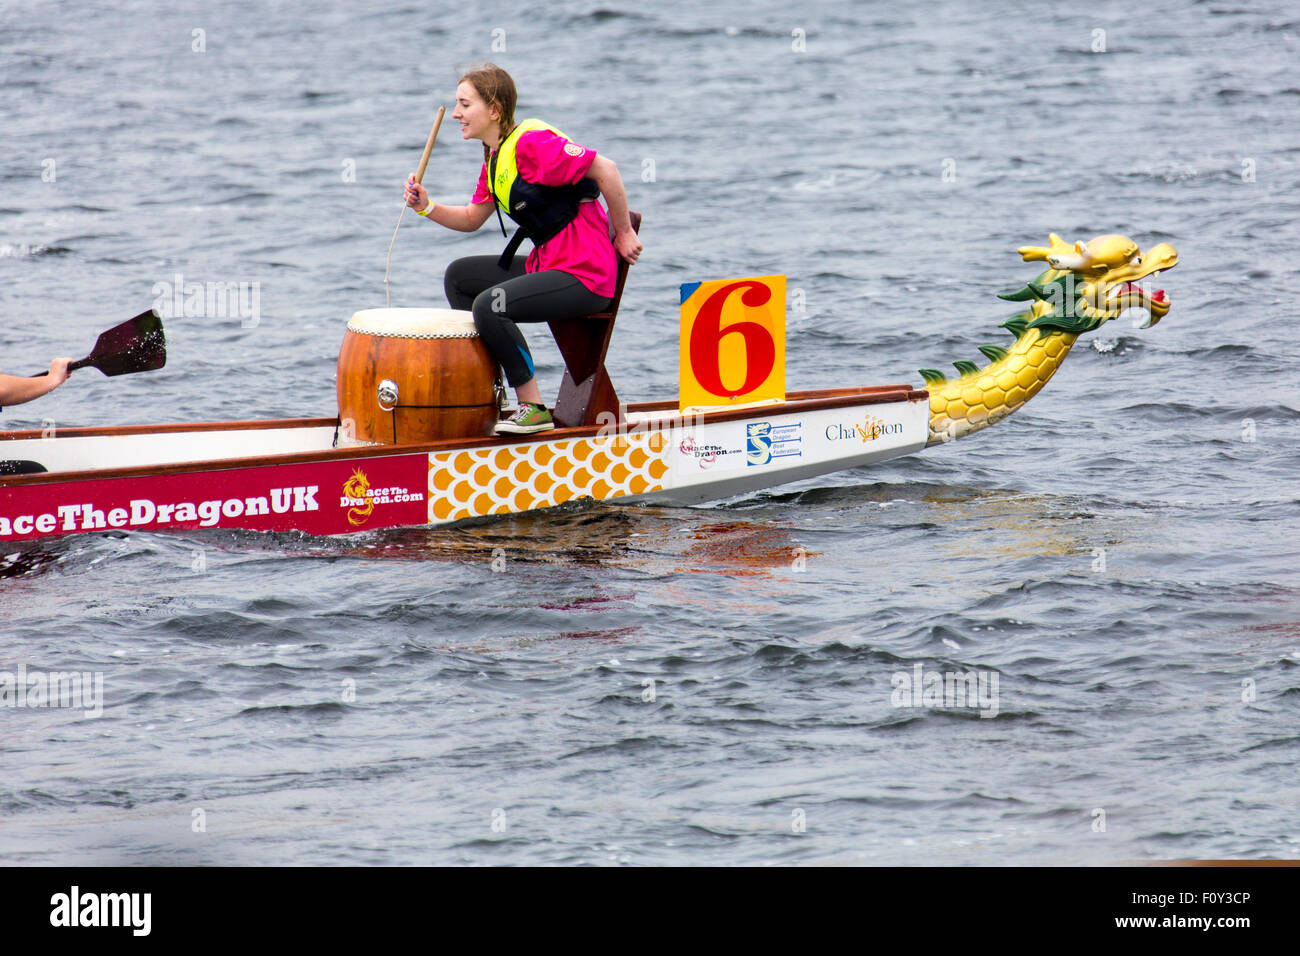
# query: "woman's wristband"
427,209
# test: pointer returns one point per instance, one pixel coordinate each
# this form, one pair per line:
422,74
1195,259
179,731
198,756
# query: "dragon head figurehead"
1085,285
1092,282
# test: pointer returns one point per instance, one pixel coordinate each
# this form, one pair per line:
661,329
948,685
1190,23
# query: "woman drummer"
547,184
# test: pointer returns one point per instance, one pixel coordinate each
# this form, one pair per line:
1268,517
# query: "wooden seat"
586,391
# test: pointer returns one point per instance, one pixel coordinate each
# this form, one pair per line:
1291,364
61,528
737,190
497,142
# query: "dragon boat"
412,443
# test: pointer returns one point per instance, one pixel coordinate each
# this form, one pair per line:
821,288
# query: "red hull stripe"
332,497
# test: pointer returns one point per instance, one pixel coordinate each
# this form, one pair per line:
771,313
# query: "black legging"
499,298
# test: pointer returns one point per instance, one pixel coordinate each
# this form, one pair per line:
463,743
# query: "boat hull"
651,455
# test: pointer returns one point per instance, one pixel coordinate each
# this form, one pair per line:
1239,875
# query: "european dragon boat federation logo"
765,441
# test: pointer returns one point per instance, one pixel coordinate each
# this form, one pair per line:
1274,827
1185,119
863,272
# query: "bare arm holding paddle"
15,390
136,345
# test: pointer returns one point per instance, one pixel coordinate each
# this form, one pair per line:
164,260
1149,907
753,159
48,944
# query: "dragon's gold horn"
1081,248
1056,246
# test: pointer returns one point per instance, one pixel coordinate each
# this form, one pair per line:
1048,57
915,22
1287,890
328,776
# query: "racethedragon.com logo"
360,499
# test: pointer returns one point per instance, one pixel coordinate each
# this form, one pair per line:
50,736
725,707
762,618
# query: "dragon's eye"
1135,261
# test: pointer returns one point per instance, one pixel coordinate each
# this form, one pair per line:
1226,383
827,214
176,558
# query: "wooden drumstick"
419,178
428,147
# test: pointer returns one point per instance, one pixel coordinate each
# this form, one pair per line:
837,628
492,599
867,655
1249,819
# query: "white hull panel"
726,459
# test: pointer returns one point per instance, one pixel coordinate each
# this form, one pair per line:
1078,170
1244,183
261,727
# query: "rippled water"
654,685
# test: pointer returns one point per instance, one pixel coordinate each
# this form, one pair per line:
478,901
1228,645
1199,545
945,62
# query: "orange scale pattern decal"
527,475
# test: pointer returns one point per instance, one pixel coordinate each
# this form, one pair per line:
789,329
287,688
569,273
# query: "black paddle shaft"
136,345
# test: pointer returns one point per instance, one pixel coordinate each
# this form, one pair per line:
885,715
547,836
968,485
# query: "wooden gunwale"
796,403
101,431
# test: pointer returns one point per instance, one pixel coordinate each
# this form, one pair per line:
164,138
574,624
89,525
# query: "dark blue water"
650,685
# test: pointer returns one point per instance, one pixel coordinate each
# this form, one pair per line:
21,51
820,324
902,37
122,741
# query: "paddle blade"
137,345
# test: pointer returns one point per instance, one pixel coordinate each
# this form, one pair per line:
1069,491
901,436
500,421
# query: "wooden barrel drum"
443,377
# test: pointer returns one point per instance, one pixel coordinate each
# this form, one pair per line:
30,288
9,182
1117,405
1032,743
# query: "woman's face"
476,120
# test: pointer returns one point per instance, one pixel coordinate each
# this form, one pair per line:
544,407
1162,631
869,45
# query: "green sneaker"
528,419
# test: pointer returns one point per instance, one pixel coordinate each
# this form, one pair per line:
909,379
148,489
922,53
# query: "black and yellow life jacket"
541,211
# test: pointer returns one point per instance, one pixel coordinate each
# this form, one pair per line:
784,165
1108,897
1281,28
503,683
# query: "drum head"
414,323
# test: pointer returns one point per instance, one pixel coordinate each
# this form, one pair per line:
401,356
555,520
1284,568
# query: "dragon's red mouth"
1129,295
1132,288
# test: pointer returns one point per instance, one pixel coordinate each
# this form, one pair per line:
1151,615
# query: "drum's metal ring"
386,334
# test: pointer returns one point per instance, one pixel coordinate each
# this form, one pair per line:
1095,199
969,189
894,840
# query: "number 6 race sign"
733,342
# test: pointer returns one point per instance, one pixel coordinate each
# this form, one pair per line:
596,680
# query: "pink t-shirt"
582,248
